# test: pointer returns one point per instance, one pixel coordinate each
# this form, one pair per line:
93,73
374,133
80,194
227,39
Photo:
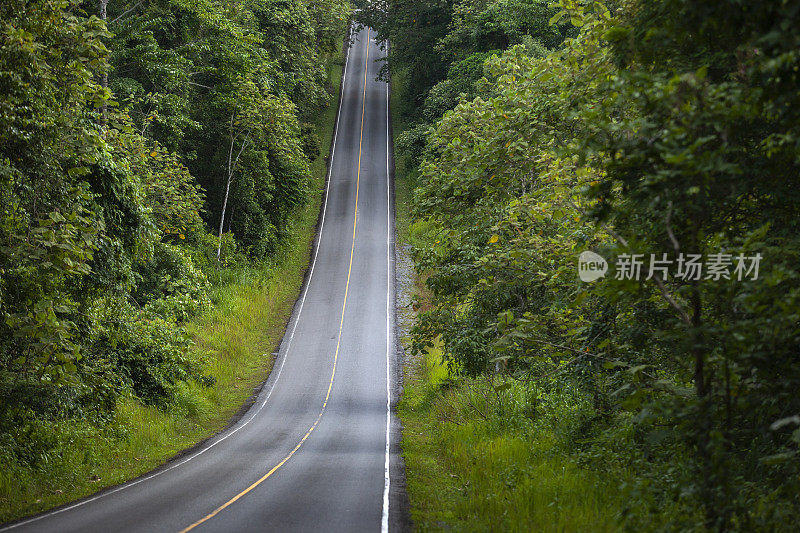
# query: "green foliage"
413,28
440,45
142,393
497,25
118,134
329,20
309,141
50,231
461,79
224,86
147,352
664,127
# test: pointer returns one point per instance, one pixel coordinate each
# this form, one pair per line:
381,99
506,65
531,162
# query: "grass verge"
236,337
482,460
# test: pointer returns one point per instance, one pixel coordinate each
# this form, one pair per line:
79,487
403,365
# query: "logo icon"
591,266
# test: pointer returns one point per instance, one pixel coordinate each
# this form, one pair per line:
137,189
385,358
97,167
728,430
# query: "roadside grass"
235,338
485,458
508,455
480,460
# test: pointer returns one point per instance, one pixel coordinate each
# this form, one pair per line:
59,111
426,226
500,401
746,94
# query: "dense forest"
146,146
663,136
604,222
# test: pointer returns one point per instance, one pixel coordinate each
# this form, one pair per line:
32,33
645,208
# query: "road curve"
314,452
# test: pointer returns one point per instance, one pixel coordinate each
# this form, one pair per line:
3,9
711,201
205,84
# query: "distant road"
313,453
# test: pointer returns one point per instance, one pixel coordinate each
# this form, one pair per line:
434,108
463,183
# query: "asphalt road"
315,450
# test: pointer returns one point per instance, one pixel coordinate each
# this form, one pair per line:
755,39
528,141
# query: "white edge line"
283,360
386,476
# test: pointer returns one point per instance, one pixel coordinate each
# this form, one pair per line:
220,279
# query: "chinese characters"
688,267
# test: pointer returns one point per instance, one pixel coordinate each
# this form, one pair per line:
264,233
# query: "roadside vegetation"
531,132
479,459
161,172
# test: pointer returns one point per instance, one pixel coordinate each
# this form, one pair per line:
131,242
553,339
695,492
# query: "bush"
150,354
170,285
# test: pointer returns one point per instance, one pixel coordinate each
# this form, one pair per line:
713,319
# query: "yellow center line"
230,502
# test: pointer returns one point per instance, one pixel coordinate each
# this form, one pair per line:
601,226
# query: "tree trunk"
231,168
222,215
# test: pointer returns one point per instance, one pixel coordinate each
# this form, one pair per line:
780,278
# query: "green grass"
481,460
478,460
236,337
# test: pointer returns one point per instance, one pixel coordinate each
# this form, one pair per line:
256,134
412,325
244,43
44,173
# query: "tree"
645,134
